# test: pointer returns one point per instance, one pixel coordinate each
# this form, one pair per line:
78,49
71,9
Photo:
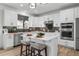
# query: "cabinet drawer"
66,43
70,43
61,42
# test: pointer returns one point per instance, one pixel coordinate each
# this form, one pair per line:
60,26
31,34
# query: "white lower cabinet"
66,43
8,41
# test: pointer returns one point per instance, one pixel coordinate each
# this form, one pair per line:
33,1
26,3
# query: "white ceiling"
40,8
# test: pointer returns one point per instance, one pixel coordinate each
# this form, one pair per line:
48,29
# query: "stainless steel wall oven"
67,31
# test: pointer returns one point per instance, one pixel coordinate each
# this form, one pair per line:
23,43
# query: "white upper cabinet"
76,12
10,18
1,17
67,15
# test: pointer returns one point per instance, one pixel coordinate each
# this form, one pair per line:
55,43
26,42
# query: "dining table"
49,39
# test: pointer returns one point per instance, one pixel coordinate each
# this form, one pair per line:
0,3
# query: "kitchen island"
50,39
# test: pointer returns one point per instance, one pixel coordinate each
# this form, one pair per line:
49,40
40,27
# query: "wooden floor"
62,51
10,52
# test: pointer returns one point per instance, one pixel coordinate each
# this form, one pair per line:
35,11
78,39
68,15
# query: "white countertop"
48,36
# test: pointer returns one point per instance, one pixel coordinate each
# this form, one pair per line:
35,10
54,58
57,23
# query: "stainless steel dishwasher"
17,39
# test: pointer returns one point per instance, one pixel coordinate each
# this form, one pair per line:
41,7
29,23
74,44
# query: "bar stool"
27,48
25,42
38,48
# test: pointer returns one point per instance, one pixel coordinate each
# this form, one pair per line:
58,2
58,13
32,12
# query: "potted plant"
40,35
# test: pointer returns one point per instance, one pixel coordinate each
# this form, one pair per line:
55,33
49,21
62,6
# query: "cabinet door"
67,43
13,19
67,15
1,17
5,40
61,42
10,18
8,41
76,12
71,44
70,15
62,16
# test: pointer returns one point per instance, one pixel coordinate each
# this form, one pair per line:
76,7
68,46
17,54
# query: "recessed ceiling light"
21,5
32,5
43,3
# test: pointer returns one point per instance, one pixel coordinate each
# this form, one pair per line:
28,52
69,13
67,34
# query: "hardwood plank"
62,51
